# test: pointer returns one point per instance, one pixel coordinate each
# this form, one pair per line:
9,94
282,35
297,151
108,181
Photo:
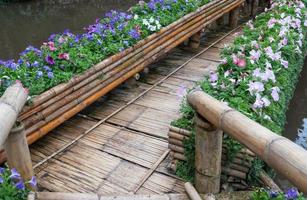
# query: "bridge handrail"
283,155
11,104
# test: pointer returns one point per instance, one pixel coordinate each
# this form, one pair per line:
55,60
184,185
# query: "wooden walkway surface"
114,157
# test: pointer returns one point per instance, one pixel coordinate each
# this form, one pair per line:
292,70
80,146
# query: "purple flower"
39,74
213,77
47,69
15,175
275,93
50,75
1,180
33,182
255,55
273,194
20,185
284,63
49,60
291,194
134,34
255,87
2,170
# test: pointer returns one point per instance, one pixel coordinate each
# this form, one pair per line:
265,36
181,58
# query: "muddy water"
30,22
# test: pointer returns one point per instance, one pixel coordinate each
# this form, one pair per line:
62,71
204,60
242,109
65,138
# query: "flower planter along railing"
51,108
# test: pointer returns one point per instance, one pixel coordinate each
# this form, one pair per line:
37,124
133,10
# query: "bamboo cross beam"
280,153
11,104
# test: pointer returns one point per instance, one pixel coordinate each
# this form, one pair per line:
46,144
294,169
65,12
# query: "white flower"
136,17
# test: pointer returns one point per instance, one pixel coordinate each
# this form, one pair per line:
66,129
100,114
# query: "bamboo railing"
12,134
213,116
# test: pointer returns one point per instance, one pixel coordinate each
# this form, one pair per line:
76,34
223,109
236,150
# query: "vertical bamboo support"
17,151
194,41
255,4
234,17
208,155
222,21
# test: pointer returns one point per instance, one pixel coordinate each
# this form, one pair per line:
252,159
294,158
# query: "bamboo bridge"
118,146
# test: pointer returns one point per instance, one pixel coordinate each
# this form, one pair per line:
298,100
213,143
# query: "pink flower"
239,62
51,46
242,63
64,56
224,61
62,40
272,22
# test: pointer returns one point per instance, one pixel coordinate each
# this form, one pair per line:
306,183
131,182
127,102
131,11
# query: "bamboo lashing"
278,152
11,103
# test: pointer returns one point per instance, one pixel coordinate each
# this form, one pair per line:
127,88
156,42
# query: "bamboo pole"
18,154
193,194
234,17
208,156
11,103
278,152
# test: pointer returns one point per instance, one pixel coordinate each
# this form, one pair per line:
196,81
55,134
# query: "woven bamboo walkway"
116,156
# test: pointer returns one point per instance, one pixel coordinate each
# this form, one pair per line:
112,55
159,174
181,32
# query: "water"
30,22
296,127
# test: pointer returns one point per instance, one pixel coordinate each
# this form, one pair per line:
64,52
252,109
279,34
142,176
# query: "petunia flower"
15,175
33,182
182,91
284,63
275,93
50,60
20,185
255,87
64,56
213,77
291,194
2,170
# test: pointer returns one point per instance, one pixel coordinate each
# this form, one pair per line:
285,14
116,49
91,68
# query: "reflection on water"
31,22
302,135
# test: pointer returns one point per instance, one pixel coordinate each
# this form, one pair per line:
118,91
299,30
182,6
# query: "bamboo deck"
115,157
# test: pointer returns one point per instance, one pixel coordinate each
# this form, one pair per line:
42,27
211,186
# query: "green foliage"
263,194
8,189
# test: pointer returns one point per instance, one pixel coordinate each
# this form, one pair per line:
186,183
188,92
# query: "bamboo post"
234,17
208,156
255,4
11,104
194,41
222,21
18,154
278,152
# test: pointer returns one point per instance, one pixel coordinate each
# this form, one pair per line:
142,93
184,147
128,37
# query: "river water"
30,22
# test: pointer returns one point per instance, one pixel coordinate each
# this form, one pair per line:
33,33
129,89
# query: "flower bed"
260,70
61,75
